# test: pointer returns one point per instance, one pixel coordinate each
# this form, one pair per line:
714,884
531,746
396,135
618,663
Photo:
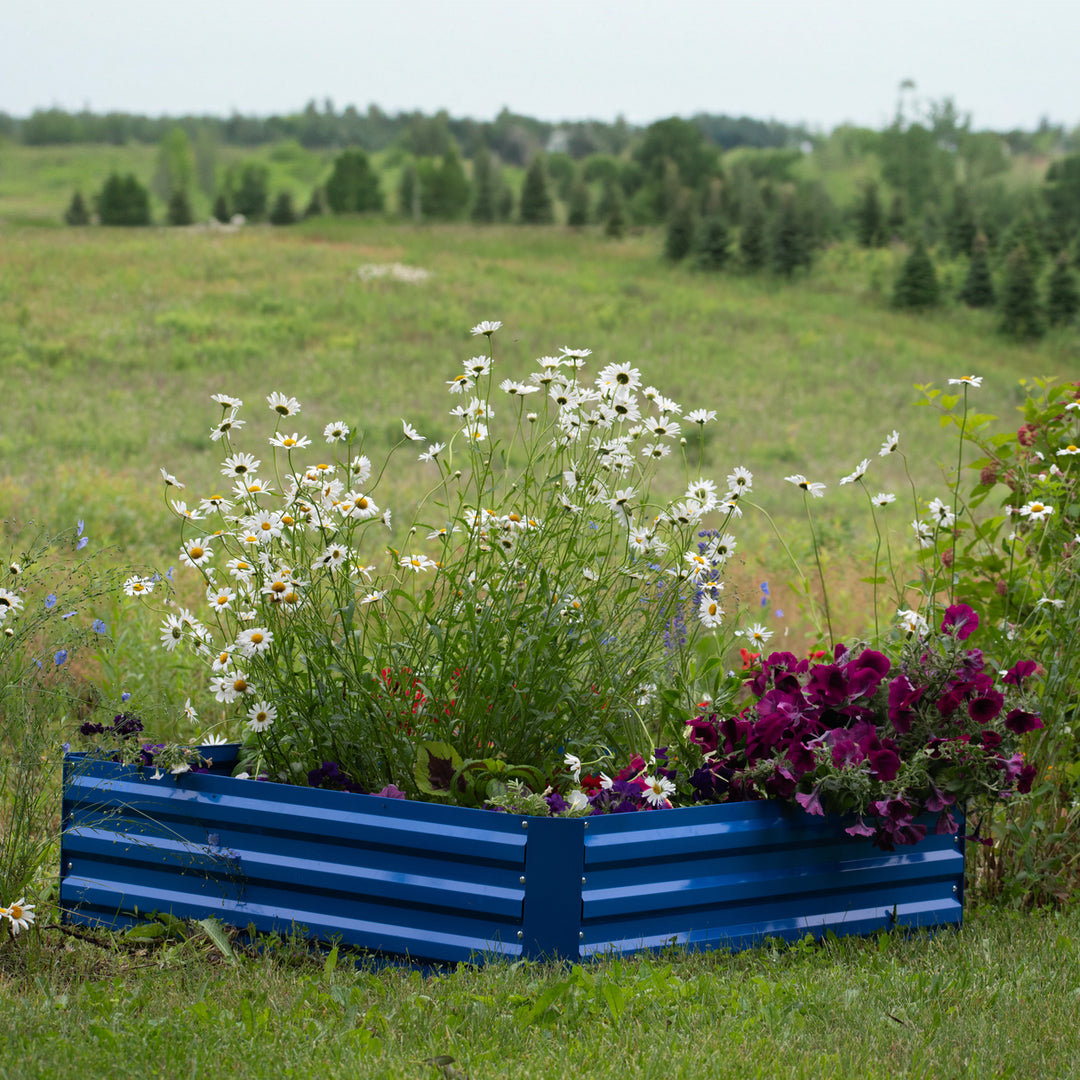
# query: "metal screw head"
521,880
524,824
70,867
954,888
521,934
582,881
581,935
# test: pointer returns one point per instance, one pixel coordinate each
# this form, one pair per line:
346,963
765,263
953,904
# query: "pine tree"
1020,315
353,187
611,206
788,249
537,207
76,213
870,219
485,187
577,211
449,188
917,284
960,227
753,241
251,193
897,219
221,209
713,243
178,211
978,288
408,192
282,212
124,201
681,227
1063,299
315,206
504,204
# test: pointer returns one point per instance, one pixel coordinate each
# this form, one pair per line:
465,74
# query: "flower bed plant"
540,636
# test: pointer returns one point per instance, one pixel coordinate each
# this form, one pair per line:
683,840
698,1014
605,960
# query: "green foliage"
249,190
537,206
485,188
282,212
611,211
77,213
1063,298
179,209
353,186
123,201
978,288
681,229
916,285
678,142
221,209
577,211
447,194
175,169
1021,316
789,247
870,219
960,225
316,205
753,235
712,245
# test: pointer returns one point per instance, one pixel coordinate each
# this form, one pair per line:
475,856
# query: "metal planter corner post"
443,883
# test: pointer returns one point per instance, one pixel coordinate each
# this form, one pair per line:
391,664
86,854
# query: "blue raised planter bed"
443,883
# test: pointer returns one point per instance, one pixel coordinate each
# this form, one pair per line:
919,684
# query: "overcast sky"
822,62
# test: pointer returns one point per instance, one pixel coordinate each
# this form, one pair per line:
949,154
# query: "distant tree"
178,211
788,246
561,172
679,141
408,192
917,284
960,227
175,169
577,211
77,213
978,288
485,187
681,226
316,207
753,238
1024,232
205,148
221,209
712,245
870,219
448,191
124,201
251,194
611,210
504,204
1063,299
896,221
1020,315
537,206
282,212
353,187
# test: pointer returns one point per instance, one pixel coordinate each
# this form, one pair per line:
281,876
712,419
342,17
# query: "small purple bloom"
60,657
391,791
811,802
961,619
50,600
860,828
68,614
983,709
91,729
83,541
1020,721
125,696
1016,675
78,531
98,626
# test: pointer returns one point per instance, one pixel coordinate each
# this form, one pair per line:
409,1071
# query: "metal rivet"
70,867
524,824
521,880
586,824
954,888
582,881
521,934
581,935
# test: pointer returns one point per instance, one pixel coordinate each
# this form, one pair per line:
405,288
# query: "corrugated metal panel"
400,877
729,876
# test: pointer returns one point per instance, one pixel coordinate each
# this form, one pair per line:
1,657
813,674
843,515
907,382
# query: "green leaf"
215,931
436,763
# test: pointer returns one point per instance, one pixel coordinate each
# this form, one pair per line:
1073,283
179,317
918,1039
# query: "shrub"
917,284
124,201
537,206
76,213
353,186
282,212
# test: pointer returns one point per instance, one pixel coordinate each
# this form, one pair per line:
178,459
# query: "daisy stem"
877,557
956,491
821,572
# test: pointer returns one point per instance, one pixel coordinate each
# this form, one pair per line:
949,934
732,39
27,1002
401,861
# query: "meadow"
111,343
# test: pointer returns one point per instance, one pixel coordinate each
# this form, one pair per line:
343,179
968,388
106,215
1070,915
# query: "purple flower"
60,657
556,803
703,733
884,764
98,626
983,709
78,531
1020,721
946,824
1016,675
903,697
860,828
126,724
125,696
961,619
83,541
50,600
391,791
811,803
91,729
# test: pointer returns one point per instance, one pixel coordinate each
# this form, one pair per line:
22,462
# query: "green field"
112,341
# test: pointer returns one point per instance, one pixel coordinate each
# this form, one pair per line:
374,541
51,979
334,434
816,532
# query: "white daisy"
138,586
261,716
883,498
911,622
520,389
967,380
196,553
239,465
295,441
487,328
701,416
360,467
227,402
228,423
255,641
336,431
282,405
170,480
924,534
1036,511
460,384
890,445
1069,450
417,563
658,790
756,634
710,612
816,489
432,452
220,599
20,915
411,432
172,632
858,474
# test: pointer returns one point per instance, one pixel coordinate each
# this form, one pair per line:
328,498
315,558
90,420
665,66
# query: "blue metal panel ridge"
443,883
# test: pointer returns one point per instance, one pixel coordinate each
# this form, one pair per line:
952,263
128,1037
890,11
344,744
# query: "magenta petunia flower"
961,619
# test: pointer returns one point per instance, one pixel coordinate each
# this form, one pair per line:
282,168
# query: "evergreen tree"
978,288
485,187
897,219
251,192
537,206
713,243
221,209
960,227
408,193
282,212
124,201
614,215
175,169
917,284
788,247
1063,300
76,213
449,189
681,227
353,187
178,211
577,212
315,206
870,219
753,240
1020,315
1024,232
504,204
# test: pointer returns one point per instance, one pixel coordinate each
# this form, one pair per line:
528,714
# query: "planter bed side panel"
419,879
